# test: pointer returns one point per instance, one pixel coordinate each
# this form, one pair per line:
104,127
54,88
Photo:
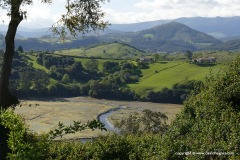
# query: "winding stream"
104,119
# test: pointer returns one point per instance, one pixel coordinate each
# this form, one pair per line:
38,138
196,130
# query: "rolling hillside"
110,50
172,37
38,44
166,74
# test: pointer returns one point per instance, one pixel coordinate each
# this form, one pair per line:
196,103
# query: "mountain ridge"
218,27
171,37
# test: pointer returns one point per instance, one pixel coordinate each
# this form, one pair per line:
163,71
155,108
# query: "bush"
23,144
209,121
128,147
145,122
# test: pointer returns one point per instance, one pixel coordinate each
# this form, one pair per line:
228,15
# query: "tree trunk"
6,98
3,142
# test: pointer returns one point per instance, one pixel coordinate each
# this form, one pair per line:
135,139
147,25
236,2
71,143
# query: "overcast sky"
131,11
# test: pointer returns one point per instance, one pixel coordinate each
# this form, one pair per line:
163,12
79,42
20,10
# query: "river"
104,119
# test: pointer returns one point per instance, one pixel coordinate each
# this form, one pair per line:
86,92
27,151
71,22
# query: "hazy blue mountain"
39,45
217,26
225,39
233,45
135,27
170,37
27,32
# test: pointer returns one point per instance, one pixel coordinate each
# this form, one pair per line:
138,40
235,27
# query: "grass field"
46,116
32,59
166,74
112,50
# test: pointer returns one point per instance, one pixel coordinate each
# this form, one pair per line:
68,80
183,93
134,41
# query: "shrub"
209,121
23,144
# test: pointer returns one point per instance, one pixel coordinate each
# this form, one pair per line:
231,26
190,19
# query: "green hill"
166,74
110,50
172,37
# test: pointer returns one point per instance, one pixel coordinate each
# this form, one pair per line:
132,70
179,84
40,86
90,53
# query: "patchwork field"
47,114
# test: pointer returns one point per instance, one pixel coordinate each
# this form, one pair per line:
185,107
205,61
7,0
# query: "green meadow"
111,50
166,74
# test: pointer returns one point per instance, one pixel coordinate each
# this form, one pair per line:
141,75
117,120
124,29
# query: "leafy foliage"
76,127
177,94
128,147
23,144
209,121
27,145
147,122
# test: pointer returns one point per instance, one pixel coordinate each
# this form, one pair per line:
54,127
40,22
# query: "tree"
92,65
20,49
146,122
75,71
39,61
189,54
40,80
156,57
110,67
66,78
80,16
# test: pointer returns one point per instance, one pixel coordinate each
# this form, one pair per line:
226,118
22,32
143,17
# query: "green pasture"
166,74
112,50
71,52
32,59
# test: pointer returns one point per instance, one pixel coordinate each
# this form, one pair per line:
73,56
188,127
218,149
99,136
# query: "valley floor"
42,116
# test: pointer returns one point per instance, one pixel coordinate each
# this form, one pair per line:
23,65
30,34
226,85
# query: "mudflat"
44,115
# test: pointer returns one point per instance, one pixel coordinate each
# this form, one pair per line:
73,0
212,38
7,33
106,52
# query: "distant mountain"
40,45
27,32
233,45
135,27
169,37
226,39
216,26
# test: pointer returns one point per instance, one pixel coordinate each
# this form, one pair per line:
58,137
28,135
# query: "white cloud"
39,14
130,11
171,9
